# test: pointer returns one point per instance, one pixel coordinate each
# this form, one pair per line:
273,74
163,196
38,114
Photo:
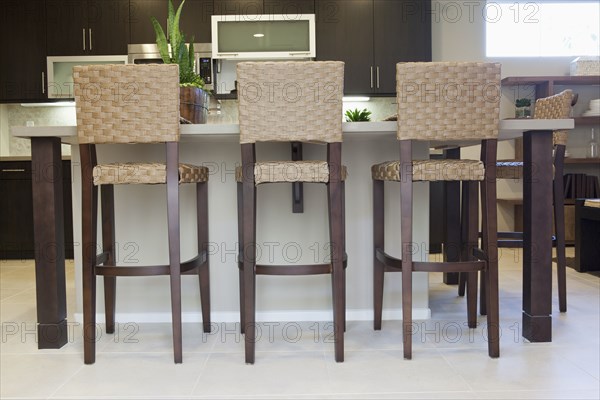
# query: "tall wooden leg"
108,244
537,236
336,226
378,243
174,246
249,240
490,244
89,211
451,220
470,243
240,212
406,194
464,217
559,228
48,227
204,270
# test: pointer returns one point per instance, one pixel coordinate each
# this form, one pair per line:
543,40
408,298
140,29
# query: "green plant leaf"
161,41
357,115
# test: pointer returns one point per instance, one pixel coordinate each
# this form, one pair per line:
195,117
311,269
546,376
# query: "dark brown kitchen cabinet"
93,27
23,43
371,36
195,19
402,32
289,7
238,7
344,32
16,209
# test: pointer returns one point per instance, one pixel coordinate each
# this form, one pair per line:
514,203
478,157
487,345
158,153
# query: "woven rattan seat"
290,171
432,170
145,111
441,101
145,173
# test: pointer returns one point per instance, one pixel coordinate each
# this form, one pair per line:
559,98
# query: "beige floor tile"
540,395
138,375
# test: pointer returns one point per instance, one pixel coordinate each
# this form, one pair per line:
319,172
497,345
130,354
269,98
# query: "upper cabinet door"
195,20
66,28
238,7
345,33
108,26
140,24
289,7
23,41
94,27
402,34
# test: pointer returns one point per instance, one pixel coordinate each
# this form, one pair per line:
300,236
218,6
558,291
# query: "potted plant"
193,98
523,109
357,115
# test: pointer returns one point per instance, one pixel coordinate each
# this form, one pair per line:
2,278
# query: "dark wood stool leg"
204,270
490,244
249,240
471,242
559,228
406,194
378,243
336,237
89,208
174,246
464,216
108,243
240,211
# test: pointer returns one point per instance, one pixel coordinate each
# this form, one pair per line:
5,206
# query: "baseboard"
262,316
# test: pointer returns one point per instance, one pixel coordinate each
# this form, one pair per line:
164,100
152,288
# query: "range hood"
260,37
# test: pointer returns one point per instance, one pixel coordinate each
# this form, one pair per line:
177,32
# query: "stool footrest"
393,264
293,270
187,267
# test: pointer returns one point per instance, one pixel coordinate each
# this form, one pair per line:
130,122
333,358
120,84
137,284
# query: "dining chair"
290,102
131,104
552,107
442,102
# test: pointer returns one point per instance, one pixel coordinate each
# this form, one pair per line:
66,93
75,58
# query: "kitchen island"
280,299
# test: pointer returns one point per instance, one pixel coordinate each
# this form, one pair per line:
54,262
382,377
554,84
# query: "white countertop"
509,129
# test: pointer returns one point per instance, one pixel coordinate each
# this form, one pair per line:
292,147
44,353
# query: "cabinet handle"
371,77
13,170
378,77
83,39
90,39
43,85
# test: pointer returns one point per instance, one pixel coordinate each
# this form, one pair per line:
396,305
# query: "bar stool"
134,104
444,102
290,102
552,107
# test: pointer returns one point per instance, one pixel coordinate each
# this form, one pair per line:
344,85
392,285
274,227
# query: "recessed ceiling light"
259,35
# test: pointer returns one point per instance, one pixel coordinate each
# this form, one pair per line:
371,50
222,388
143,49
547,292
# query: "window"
542,28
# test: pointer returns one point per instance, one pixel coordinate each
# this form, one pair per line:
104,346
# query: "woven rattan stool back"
448,100
290,101
555,107
127,103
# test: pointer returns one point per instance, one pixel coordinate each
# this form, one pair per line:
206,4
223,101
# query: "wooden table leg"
48,228
452,242
537,232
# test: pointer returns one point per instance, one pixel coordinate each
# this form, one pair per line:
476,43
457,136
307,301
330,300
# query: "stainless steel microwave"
149,54
60,72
